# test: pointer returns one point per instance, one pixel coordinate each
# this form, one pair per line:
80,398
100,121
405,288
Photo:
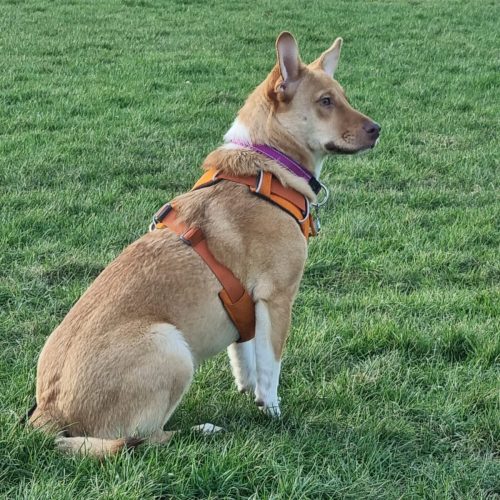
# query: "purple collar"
285,161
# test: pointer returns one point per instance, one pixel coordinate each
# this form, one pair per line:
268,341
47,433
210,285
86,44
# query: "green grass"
390,385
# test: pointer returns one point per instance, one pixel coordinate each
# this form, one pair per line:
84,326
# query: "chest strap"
236,301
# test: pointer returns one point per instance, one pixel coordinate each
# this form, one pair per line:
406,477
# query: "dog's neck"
258,123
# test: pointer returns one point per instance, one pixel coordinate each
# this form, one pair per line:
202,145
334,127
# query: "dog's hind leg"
151,373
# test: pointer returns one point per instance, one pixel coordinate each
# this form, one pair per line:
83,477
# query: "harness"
237,302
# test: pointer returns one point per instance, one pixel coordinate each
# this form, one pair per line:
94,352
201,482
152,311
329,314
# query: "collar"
285,161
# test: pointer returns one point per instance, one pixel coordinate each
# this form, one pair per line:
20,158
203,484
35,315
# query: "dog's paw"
64,444
271,410
207,428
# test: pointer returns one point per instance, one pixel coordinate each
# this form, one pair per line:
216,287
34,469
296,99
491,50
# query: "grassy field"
390,385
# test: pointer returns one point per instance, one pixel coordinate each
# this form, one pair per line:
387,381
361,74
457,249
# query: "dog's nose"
372,129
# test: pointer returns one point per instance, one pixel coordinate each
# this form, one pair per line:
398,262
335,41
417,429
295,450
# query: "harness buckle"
263,184
160,215
192,236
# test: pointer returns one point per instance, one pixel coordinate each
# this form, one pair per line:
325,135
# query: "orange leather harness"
236,300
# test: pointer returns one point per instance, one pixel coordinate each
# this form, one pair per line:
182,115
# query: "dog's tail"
95,447
100,448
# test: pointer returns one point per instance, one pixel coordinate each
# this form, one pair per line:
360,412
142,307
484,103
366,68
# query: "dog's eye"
325,101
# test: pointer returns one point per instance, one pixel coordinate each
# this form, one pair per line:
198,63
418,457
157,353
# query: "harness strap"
235,299
268,187
237,302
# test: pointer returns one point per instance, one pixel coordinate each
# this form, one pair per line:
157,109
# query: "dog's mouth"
333,148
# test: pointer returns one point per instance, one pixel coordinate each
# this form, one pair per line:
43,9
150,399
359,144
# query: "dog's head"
312,106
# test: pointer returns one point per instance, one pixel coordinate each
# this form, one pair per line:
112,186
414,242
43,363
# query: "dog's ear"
288,56
289,65
329,60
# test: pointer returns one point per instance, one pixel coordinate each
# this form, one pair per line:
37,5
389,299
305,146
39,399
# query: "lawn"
390,382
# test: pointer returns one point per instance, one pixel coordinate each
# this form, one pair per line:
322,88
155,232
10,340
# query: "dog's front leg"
272,320
242,357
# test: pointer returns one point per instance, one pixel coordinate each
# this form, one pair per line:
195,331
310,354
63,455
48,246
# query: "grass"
390,385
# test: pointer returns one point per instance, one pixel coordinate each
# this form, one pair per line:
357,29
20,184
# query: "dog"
113,372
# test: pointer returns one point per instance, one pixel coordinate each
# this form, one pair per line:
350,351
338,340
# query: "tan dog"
114,370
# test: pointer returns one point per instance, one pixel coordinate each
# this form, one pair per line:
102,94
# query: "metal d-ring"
325,198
